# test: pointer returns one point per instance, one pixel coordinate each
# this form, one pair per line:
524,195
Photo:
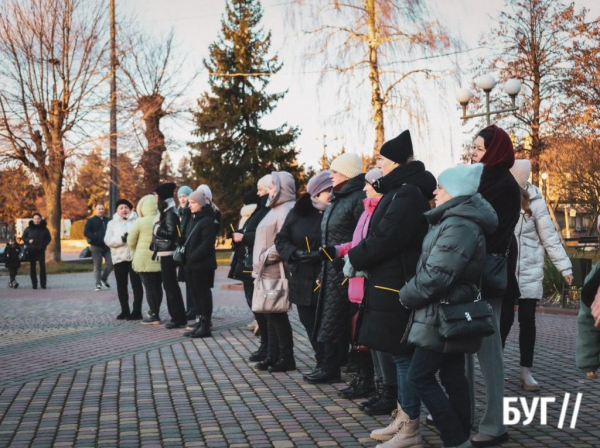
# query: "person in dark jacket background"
184,217
37,237
167,231
12,261
200,261
494,148
297,243
332,325
247,238
94,231
452,259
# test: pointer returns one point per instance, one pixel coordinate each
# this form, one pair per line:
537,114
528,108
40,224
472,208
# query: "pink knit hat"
521,171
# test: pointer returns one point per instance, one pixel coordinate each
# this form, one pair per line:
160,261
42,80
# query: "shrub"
77,230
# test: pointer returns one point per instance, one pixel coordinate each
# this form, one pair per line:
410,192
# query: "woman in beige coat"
282,198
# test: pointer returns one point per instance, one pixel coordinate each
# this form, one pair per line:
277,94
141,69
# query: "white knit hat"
206,190
348,164
521,171
265,182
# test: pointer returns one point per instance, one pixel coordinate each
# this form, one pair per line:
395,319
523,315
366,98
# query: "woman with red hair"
494,148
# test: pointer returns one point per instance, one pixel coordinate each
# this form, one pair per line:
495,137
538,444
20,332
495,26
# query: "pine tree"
234,150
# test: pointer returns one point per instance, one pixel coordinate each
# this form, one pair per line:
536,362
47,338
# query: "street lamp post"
545,185
487,82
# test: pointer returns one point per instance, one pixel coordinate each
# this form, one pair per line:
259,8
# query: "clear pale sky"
309,106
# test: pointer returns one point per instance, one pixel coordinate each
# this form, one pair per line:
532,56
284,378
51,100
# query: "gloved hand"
124,237
338,264
300,255
364,274
349,271
328,250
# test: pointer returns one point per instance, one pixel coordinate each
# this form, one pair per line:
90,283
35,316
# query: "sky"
312,103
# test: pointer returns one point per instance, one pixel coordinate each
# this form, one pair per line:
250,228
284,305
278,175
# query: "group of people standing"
369,263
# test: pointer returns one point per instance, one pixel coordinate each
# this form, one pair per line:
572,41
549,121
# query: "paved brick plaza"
71,375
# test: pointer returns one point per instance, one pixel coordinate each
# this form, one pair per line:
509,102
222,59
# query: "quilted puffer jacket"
337,227
535,234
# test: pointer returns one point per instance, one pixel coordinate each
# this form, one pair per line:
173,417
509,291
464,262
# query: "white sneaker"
527,381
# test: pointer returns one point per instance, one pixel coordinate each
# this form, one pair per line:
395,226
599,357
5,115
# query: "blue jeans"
407,394
451,413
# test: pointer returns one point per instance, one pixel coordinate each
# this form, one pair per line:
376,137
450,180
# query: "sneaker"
98,287
151,320
15,285
11,284
105,283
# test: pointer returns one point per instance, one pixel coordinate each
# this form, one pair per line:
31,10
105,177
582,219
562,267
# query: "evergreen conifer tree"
234,149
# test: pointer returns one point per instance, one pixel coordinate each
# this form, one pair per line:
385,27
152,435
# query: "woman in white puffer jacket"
535,233
117,231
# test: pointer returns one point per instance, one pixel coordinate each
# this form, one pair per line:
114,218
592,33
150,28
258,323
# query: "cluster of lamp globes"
487,82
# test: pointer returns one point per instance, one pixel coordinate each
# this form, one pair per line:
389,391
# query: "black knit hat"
251,198
124,201
165,191
398,149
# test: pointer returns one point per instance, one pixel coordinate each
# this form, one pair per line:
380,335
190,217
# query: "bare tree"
51,57
152,74
366,40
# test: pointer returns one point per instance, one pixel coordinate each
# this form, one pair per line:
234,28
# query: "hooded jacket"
390,254
301,224
200,254
12,254
534,234
264,244
453,251
117,227
39,234
140,236
245,214
332,323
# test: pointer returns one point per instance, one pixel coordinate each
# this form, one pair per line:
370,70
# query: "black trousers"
168,268
203,303
527,330
307,315
261,319
124,272
37,257
335,355
152,282
281,341
12,273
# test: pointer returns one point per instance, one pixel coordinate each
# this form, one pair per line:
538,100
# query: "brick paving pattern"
71,375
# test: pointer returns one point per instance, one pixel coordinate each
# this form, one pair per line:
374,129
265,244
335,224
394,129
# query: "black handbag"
179,254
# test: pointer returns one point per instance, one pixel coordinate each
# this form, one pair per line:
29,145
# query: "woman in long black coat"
297,243
200,261
332,325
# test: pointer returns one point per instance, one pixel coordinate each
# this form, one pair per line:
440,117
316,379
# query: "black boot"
124,315
285,338
203,331
191,315
359,387
260,354
283,365
196,327
375,397
387,402
323,376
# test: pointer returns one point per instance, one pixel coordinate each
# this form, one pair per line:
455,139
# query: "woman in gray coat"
453,251
535,234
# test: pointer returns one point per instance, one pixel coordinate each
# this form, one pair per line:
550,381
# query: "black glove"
338,264
303,256
124,237
327,250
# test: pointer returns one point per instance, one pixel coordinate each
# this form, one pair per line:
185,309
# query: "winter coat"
117,227
200,254
40,236
499,187
245,214
453,251
304,221
264,244
167,231
534,234
11,256
140,236
332,323
253,222
356,285
587,352
185,215
390,254
95,229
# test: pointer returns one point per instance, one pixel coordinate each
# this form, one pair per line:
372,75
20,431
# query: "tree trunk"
376,98
151,107
52,187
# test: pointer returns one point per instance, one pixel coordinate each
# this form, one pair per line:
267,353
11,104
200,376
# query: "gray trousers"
491,362
385,367
97,254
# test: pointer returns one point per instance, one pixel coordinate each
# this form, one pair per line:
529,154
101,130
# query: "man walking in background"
95,229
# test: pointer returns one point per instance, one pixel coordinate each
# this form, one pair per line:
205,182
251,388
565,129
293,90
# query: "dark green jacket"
453,251
587,352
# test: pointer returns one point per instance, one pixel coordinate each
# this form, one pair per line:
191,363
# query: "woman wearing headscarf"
297,243
121,254
536,235
144,263
200,261
267,265
494,148
246,237
332,326
167,231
